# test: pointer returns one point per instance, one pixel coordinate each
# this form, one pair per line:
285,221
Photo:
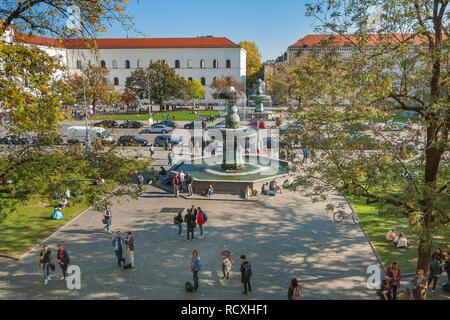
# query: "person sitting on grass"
401,241
63,203
391,235
210,191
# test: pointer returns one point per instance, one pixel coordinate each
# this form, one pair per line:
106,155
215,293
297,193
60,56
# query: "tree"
51,16
29,89
219,85
161,79
128,98
196,90
94,83
397,64
253,61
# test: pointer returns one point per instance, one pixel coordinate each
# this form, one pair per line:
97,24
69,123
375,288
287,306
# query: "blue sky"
272,24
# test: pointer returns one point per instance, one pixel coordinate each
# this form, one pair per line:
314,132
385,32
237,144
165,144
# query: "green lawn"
30,225
160,116
377,225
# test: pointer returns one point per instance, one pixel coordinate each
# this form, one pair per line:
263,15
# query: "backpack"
175,220
189,287
247,269
205,216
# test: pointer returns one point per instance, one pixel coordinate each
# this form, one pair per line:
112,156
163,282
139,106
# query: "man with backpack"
246,273
189,218
202,218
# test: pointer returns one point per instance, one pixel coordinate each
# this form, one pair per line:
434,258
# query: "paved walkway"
284,237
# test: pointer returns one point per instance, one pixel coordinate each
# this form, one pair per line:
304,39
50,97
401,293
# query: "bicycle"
340,215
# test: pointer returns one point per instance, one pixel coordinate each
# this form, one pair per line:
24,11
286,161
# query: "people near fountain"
273,188
189,180
170,158
210,191
176,184
202,218
190,220
401,241
265,189
182,181
247,192
391,235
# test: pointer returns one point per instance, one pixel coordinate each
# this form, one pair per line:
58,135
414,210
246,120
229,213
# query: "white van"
78,134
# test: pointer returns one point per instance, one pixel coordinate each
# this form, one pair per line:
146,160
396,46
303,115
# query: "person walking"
107,219
295,290
170,158
227,263
419,286
394,274
118,242
176,184
305,155
246,273
189,181
195,268
178,220
152,151
63,260
201,220
129,242
189,218
435,270
45,259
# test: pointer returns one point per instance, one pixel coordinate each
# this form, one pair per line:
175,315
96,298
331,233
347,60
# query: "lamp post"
87,142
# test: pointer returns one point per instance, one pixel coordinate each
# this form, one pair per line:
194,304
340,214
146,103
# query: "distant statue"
260,87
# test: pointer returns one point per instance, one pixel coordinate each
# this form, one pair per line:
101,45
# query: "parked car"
159,128
159,140
258,124
167,123
192,124
131,125
49,139
132,141
79,134
15,140
107,124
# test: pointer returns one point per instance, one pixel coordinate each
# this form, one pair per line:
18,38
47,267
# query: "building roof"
129,43
318,40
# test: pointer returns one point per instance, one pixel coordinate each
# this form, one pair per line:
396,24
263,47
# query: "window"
228,64
202,64
78,64
127,64
203,81
215,64
116,81
103,64
189,64
114,64
190,79
177,64
139,64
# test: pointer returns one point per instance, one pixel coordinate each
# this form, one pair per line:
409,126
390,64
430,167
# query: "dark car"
131,125
107,124
16,140
167,123
49,139
159,140
132,141
192,125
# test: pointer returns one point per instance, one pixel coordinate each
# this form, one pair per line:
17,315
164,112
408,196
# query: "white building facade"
203,59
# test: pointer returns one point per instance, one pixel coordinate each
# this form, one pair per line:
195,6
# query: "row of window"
189,64
202,80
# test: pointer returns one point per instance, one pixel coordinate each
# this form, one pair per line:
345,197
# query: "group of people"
47,264
227,264
121,244
195,216
182,182
399,240
420,283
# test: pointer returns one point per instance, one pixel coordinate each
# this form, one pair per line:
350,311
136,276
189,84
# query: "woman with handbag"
46,261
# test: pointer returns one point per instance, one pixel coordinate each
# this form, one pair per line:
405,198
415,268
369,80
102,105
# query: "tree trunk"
424,254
